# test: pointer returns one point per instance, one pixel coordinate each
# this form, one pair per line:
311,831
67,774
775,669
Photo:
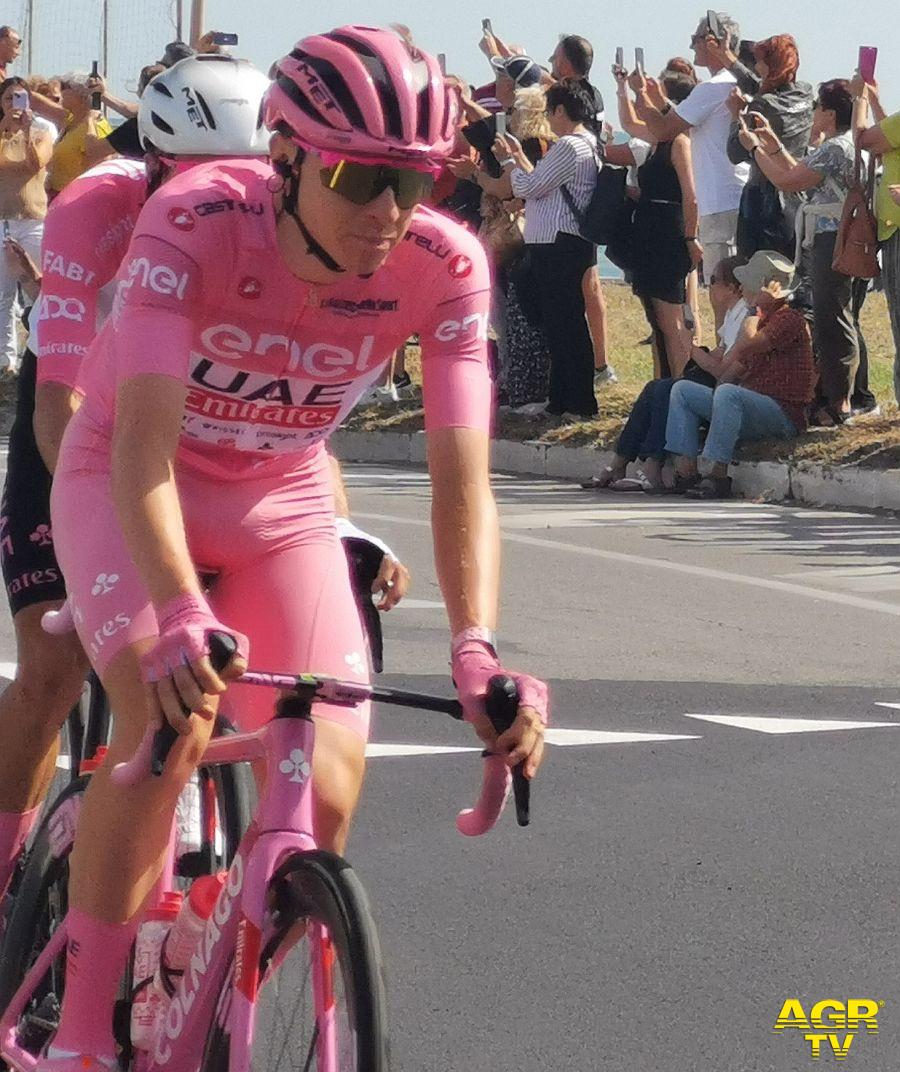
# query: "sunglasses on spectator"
362,183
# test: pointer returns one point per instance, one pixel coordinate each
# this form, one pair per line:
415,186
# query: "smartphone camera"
225,39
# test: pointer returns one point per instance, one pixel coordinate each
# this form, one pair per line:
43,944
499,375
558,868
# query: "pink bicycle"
287,973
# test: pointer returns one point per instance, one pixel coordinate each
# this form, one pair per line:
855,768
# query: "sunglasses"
362,183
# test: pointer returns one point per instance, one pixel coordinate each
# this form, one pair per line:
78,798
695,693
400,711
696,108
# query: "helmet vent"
375,66
159,122
158,87
335,84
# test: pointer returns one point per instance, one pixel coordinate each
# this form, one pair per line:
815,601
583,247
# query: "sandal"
606,477
711,488
628,484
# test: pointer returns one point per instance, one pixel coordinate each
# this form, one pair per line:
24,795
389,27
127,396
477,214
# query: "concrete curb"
814,485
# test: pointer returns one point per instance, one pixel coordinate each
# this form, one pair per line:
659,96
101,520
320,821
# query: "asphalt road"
705,842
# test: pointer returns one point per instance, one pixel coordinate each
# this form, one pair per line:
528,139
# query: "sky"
828,34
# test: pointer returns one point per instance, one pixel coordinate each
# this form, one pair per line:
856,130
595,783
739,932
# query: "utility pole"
30,36
105,45
179,20
198,19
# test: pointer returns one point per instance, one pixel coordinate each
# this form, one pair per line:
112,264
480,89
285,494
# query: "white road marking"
769,724
420,604
894,706
374,751
770,584
570,738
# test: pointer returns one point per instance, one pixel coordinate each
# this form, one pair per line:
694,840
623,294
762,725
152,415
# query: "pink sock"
94,968
15,826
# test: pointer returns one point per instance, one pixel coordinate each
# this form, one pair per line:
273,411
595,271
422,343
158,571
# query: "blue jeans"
733,413
644,434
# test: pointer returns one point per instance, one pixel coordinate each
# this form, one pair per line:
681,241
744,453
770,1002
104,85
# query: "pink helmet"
366,94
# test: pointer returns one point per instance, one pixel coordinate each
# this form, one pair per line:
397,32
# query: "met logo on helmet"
197,112
315,87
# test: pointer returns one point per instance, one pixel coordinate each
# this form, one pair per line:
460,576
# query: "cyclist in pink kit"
86,235
255,306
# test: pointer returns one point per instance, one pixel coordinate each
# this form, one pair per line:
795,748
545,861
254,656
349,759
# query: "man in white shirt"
705,114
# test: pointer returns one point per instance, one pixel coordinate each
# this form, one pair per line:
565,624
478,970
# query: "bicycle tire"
322,887
39,905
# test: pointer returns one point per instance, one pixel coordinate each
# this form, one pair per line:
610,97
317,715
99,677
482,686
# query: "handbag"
856,248
602,216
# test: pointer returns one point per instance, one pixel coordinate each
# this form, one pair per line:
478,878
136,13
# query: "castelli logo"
182,219
460,267
249,287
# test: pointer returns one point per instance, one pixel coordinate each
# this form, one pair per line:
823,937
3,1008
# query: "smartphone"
442,62
20,100
500,121
97,97
639,60
868,56
712,21
486,27
224,39
5,230
620,56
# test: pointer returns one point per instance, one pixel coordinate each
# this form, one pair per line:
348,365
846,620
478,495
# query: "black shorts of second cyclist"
30,570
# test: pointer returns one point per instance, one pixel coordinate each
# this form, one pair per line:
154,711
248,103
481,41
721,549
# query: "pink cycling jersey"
86,235
271,365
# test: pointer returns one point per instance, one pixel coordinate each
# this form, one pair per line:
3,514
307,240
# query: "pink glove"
474,663
185,624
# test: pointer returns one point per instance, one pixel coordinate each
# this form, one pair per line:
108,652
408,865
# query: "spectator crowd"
728,172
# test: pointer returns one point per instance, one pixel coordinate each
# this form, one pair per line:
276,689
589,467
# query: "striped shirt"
573,161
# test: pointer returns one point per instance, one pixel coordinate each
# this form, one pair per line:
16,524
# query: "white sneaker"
605,375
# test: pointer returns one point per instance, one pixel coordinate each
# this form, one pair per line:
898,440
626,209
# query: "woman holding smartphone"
25,150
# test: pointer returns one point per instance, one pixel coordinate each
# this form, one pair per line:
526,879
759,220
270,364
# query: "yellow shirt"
69,160
887,209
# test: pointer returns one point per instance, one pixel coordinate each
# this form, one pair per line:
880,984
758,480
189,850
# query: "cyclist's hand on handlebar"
392,583
178,668
474,663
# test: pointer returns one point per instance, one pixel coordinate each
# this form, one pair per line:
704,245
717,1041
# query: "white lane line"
894,706
819,594
420,604
769,724
570,738
374,751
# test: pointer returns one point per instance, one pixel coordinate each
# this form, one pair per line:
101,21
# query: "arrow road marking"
768,724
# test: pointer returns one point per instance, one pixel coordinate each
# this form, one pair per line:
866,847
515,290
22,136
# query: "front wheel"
320,1005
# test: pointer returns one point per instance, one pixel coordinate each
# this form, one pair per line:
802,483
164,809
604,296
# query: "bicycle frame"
283,824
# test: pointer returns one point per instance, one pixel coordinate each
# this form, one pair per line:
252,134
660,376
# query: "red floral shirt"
786,369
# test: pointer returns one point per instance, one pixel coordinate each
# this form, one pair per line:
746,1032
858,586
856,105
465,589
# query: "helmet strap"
290,198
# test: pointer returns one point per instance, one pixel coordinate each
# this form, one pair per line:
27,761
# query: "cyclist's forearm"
465,527
143,486
54,406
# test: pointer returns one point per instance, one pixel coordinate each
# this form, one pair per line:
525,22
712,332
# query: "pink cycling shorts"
281,575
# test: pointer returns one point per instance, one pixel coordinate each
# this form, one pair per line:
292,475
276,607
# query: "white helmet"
206,105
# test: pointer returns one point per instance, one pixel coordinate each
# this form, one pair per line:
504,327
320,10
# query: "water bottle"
148,1005
187,931
188,821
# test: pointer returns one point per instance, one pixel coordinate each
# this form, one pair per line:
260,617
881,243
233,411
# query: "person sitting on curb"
644,434
763,393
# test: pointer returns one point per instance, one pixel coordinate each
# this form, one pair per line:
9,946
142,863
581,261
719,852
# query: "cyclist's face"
359,237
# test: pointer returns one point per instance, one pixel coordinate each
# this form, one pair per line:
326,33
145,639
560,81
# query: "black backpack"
602,219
